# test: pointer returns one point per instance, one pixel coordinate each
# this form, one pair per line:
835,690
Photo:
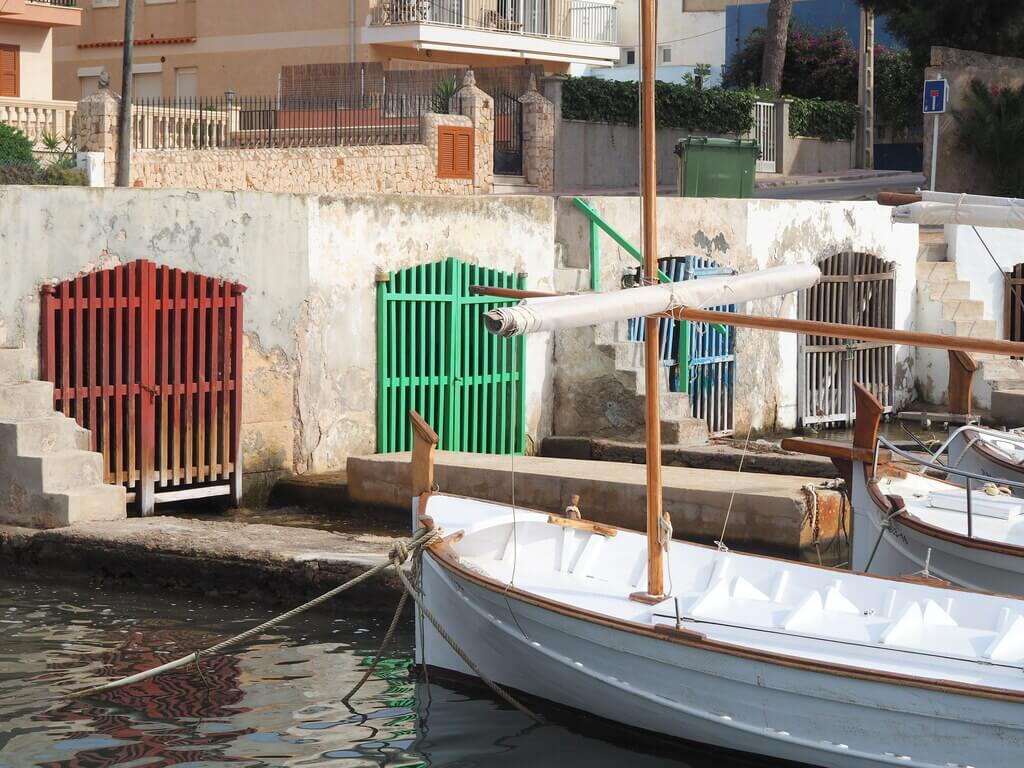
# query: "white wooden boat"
905,522
987,452
793,661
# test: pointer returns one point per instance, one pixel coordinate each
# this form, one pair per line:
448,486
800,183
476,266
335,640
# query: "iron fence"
261,122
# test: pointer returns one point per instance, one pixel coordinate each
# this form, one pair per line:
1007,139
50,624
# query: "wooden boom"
811,327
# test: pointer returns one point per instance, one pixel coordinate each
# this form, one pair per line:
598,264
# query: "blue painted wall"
816,15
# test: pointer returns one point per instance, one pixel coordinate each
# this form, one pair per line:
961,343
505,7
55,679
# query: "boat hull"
699,693
903,549
972,455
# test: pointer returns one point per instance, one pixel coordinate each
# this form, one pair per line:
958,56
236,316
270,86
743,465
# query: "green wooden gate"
434,355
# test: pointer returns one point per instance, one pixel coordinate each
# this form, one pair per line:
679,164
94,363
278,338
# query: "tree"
992,130
989,26
779,14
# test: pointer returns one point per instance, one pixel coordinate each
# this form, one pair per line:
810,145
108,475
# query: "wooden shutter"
10,78
454,152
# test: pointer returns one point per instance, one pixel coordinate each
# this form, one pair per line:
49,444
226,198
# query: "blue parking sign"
935,96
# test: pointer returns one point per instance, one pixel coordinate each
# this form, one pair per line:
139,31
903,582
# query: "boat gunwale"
447,558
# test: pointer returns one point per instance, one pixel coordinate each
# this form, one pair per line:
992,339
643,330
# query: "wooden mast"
652,369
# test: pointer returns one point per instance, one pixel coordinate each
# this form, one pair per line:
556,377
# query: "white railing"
576,20
765,131
37,117
182,127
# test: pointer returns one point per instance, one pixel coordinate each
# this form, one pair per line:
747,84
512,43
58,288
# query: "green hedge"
710,110
820,119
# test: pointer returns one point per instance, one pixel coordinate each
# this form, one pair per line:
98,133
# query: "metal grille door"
508,134
435,355
857,289
708,354
149,359
765,131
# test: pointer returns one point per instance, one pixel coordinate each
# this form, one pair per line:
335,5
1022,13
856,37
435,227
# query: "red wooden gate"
149,359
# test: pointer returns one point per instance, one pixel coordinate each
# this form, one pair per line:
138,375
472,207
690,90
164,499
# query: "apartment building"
187,48
26,46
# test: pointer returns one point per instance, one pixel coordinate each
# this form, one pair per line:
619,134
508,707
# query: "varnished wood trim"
449,560
424,445
583,525
833,449
961,381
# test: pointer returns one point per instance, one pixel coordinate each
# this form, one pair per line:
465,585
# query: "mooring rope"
399,554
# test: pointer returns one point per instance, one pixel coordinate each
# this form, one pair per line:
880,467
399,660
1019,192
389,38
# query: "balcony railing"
35,117
576,20
61,3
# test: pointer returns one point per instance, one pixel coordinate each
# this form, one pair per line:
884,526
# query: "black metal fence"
257,122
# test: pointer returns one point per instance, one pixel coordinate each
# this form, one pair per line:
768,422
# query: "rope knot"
399,552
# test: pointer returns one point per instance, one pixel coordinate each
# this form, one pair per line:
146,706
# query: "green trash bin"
713,167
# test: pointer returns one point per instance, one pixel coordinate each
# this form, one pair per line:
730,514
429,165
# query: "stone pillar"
479,108
538,139
96,128
552,87
785,148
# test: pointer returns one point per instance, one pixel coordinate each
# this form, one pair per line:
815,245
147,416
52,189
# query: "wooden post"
652,368
424,444
961,381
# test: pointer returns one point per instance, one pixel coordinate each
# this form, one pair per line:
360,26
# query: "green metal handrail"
596,222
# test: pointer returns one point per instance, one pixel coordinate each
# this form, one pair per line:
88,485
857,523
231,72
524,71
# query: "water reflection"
276,702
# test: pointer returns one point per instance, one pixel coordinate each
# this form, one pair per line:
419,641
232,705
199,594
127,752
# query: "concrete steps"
48,476
949,309
512,185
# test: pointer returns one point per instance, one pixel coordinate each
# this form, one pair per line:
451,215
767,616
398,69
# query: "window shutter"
454,152
10,79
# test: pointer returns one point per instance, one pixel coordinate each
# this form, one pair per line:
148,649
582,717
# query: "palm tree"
779,13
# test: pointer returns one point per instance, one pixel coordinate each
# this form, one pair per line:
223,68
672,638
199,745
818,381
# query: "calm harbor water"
274,702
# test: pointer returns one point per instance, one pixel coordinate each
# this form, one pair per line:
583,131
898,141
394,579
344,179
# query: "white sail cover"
963,198
554,313
1006,214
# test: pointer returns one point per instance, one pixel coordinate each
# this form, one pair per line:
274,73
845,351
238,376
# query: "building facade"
189,48
26,46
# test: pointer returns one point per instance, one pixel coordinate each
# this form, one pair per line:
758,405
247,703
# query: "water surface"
274,702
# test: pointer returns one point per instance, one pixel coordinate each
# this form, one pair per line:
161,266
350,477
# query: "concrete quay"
787,515
273,562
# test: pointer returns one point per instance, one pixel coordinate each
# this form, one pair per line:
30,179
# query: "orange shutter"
10,79
454,152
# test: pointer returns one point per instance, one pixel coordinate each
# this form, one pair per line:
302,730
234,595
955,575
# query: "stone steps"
48,476
512,185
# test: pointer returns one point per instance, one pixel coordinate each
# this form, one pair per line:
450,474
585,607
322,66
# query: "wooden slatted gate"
149,359
1013,304
855,288
435,355
710,352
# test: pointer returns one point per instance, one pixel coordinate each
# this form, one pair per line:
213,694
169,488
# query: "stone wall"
958,171
388,169
538,139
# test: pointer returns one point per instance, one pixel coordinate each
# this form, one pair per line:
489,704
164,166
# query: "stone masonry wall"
538,139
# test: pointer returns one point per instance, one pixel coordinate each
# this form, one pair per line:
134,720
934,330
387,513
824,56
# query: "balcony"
553,30
42,13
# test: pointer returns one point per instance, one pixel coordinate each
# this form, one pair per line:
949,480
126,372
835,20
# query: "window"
147,85
666,55
630,56
187,82
454,152
10,76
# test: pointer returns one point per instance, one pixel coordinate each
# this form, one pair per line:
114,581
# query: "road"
854,189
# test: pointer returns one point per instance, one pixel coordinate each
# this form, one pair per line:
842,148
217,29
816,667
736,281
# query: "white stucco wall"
693,37
753,234
974,264
36,58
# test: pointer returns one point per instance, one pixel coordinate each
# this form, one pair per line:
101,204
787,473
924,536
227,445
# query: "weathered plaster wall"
748,235
357,238
967,248
309,264
50,234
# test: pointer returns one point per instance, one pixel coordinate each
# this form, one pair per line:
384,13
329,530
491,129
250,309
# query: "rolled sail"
554,313
1007,214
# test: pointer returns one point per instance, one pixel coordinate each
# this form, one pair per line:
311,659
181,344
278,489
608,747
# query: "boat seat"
931,628
1008,645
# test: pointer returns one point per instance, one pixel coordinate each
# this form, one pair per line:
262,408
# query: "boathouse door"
1013,304
857,289
435,355
149,360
